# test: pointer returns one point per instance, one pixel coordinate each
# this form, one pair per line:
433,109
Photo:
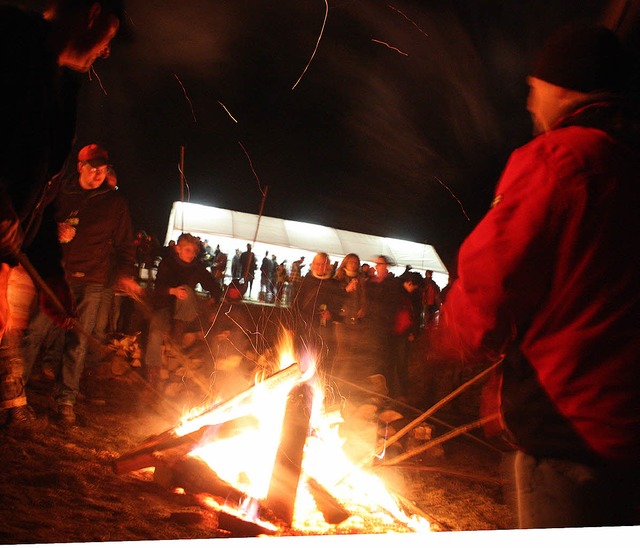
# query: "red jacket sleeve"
503,264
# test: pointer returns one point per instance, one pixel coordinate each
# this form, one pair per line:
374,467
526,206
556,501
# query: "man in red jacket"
549,281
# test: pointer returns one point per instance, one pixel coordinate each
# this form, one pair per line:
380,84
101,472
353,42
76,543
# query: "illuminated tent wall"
292,239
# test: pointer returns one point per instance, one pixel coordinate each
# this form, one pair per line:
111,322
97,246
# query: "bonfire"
277,459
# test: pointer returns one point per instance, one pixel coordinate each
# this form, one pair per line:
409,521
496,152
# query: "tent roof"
207,221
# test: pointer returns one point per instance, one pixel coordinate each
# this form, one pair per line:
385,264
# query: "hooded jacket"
102,249
549,279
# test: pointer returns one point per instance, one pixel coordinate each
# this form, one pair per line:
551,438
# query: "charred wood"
288,464
332,511
197,478
170,446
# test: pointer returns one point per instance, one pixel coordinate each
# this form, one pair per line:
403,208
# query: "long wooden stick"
70,321
411,408
400,433
380,451
439,440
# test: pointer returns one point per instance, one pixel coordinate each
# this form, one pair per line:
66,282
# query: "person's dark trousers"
87,298
102,325
159,327
397,366
43,343
560,493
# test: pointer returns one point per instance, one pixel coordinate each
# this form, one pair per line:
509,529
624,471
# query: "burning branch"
196,478
409,407
225,416
170,446
332,511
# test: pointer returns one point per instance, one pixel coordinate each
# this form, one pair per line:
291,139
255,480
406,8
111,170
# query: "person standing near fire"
316,307
431,301
94,228
41,55
548,282
266,273
351,360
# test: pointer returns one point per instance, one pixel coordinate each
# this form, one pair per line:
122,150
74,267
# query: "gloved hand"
61,290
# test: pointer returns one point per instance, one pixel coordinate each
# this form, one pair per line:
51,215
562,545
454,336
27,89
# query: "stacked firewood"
126,353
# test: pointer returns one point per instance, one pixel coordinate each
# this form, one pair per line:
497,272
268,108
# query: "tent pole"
264,197
182,173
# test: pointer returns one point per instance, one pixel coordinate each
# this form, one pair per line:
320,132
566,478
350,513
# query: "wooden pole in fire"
285,478
441,439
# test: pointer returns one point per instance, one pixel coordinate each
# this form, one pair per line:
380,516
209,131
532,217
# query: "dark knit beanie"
583,58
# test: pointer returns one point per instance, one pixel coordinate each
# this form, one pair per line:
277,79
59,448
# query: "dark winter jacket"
316,295
550,279
102,249
174,272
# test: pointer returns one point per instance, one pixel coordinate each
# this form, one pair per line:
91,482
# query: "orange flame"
246,460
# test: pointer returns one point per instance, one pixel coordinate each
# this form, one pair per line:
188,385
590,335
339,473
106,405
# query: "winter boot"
24,420
66,414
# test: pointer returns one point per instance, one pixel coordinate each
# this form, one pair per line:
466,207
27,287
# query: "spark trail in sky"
324,22
252,169
186,96
93,70
408,19
390,47
455,197
227,111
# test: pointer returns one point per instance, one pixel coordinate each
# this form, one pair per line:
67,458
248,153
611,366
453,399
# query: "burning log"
332,511
198,479
142,456
170,446
240,528
288,374
288,465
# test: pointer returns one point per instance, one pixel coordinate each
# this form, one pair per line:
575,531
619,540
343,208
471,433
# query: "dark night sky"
366,141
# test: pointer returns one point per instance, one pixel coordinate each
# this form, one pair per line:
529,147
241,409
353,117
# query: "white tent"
292,239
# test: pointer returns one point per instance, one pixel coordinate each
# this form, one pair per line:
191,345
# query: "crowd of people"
360,321
546,287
